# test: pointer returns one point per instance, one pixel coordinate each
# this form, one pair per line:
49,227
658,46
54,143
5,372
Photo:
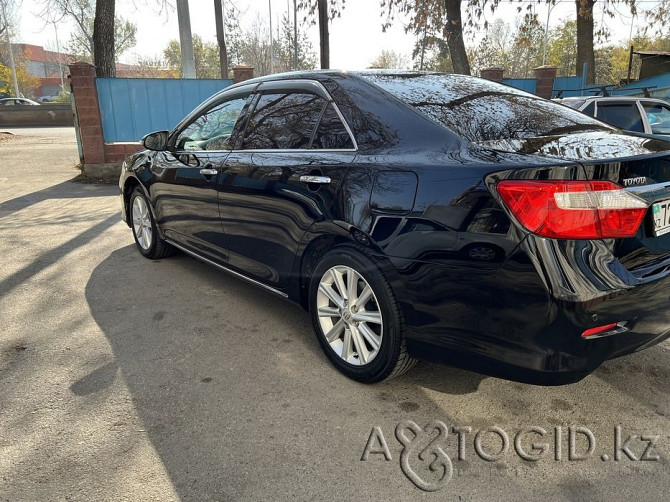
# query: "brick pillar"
495,74
545,76
242,72
82,81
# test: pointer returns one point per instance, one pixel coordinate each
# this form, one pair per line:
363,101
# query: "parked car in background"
645,115
47,99
414,215
18,102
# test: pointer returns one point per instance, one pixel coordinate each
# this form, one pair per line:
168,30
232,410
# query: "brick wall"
545,76
93,150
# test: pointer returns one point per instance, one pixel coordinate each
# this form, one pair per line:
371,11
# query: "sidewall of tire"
387,358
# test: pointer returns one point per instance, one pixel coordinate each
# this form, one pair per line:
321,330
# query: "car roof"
320,75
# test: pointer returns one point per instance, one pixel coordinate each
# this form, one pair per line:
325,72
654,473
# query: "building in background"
47,66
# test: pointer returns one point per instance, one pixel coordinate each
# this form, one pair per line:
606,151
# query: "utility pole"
9,49
185,40
272,49
546,34
60,63
324,42
295,34
220,38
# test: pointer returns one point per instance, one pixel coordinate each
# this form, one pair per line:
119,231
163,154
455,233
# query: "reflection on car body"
417,215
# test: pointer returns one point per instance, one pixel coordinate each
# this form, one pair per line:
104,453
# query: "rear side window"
659,117
331,133
625,116
480,110
283,121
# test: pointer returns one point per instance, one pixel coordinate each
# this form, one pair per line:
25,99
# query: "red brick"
88,120
91,130
86,101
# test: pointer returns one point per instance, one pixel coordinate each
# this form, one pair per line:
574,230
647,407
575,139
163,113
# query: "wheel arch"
128,186
318,242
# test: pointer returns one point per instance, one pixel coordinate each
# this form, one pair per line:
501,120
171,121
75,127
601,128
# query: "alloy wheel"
349,315
142,223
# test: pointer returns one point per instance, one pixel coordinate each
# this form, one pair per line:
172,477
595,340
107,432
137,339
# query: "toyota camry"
420,216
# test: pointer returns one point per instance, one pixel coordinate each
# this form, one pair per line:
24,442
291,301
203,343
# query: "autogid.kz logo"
426,463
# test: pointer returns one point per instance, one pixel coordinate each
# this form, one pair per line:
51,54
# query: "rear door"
283,176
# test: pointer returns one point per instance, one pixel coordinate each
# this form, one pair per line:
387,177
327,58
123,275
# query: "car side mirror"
156,141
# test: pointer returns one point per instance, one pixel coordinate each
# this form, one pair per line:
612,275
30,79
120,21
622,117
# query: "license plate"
661,212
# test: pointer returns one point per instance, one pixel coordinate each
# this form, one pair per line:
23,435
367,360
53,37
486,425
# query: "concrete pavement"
126,379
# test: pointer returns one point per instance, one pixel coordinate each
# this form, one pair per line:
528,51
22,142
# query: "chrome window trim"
286,85
226,269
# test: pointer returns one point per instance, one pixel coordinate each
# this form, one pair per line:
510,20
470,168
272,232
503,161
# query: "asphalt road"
126,379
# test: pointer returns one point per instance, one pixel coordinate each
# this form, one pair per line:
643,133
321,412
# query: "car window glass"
573,103
331,133
625,116
480,110
659,118
283,121
590,109
212,129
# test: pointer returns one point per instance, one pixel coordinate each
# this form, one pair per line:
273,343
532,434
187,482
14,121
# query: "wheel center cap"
346,315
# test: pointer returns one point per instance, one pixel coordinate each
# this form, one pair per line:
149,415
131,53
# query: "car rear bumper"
507,323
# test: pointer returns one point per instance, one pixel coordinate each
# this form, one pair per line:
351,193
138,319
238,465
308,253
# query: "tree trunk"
585,52
103,39
220,38
323,34
454,33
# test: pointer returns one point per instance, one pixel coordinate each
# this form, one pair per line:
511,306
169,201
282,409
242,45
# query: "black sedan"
420,216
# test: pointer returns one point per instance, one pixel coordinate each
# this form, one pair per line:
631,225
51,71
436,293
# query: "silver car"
645,115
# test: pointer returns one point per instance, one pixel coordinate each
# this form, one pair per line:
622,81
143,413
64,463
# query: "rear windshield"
480,110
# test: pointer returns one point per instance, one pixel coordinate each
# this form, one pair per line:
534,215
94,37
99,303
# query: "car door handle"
315,179
208,171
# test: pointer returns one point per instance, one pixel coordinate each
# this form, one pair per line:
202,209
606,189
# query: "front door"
184,179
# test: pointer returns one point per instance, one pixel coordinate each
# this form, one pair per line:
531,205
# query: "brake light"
563,209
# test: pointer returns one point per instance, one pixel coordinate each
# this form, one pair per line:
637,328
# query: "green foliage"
27,82
562,48
250,47
391,60
63,96
516,49
206,57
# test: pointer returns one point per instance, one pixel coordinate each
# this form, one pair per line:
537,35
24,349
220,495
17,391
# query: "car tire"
145,231
363,338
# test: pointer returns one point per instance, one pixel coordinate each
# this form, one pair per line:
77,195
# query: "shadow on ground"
239,401
67,190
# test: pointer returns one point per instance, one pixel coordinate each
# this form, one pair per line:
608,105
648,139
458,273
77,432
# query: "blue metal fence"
571,86
525,84
133,107
661,90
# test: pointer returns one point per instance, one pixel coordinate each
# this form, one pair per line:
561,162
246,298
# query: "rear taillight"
562,209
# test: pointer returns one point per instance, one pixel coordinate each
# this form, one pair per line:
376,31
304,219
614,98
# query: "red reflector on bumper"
600,330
